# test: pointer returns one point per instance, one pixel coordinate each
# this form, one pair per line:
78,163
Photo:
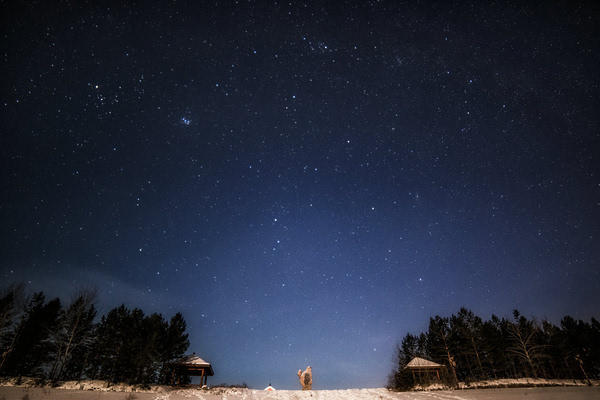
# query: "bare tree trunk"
11,346
478,359
580,362
524,349
76,321
450,358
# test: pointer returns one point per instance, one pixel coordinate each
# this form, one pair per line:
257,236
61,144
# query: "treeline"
49,340
472,349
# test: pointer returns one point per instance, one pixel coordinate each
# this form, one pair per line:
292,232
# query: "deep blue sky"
306,183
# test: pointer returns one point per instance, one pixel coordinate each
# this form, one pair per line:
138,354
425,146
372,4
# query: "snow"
502,390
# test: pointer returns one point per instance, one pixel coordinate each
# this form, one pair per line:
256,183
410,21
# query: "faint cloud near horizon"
112,291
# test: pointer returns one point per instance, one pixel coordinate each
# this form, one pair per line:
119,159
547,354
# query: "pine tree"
466,331
494,344
31,349
75,328
438,346
12,306
108,350
174,346
401,378
135,348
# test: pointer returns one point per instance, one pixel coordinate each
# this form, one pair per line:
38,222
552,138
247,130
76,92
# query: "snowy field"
540,393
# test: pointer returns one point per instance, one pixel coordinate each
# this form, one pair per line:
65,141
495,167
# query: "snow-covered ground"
543,393
91,390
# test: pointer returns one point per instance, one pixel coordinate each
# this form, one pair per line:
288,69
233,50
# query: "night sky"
305,182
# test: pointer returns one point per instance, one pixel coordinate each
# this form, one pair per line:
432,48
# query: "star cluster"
304,182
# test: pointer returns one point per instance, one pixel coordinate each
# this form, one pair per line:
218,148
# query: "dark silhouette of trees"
465,335
114,350
175,345
438,347
75,328
31,349
43,339
525,343
133,347
472,349
12,302
401,378
581,347
494,345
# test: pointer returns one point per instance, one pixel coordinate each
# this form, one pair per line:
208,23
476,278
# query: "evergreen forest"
471,349
56,341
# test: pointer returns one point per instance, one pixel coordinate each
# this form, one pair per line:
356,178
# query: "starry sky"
306,182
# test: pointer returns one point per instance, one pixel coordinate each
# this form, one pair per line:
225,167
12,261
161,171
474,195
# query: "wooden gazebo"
422,366
190,365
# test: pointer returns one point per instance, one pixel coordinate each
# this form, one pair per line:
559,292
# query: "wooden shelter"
422,366
190,365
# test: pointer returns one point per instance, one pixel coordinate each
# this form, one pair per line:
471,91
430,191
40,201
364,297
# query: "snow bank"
522,382
499,389
94,385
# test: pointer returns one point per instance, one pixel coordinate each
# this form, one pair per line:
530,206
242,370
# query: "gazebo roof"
421,363
192,363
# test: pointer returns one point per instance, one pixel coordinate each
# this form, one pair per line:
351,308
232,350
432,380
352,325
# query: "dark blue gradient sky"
306,183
